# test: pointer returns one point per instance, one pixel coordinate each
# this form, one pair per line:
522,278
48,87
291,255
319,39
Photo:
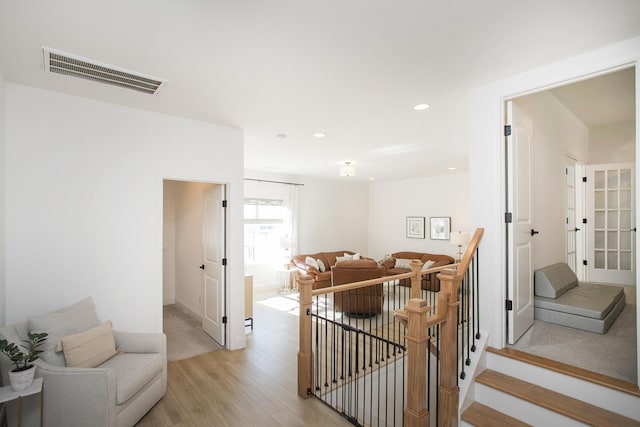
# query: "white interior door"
213,239
520,230
611,220
572,228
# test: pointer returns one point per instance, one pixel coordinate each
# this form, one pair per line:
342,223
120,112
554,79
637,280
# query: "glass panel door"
571,215
612,215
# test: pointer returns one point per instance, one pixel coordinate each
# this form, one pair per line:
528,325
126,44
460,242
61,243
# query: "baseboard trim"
573,371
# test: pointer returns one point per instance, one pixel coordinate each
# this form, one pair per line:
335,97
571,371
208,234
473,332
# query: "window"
263,231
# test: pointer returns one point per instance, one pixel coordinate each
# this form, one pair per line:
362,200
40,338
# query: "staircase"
519,389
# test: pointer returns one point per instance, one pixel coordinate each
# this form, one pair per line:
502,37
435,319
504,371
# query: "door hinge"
508,305
224,319
584,220
224,203
584,179
507,130
508,217
584,262
224,261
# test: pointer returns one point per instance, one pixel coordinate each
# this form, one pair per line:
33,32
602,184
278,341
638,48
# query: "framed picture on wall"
415,227
440,227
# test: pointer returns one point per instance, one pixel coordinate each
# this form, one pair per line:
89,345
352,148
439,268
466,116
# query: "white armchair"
118,392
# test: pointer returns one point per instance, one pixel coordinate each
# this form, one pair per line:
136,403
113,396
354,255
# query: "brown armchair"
365,301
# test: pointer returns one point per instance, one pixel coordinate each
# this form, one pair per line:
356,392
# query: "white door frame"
564,75
225,249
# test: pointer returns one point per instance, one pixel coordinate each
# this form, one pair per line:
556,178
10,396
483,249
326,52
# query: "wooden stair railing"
417,318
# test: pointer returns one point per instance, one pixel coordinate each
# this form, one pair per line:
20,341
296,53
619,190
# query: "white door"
213,239
570,220
520,230
581,209
611,220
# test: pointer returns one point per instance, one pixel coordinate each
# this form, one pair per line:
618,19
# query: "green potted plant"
22,375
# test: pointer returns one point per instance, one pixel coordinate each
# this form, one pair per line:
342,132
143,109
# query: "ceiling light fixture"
319,134
451,168
421,107
348,169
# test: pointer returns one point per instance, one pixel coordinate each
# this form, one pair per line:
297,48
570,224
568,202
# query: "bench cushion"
133,372
554,280
587,299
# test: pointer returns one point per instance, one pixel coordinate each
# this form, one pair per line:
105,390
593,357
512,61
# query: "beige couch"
118,392
321,279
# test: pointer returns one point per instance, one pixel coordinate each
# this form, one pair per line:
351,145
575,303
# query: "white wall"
169,242
2,206
487,163
334,215
613,143
557,133
391,202
84,190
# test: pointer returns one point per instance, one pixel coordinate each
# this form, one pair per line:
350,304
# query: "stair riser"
604,397
521,409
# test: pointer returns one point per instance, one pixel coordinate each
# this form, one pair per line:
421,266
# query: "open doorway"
571,129
193,268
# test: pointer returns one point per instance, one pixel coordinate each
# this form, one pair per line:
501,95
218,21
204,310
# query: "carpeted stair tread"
554,401
480,415
573,371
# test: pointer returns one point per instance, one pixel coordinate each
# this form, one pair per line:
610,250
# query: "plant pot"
22,380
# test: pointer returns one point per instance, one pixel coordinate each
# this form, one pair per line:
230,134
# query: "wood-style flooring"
255,386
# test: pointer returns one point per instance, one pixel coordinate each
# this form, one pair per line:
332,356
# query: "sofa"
561,299
361,302
118,391
321,274
398,263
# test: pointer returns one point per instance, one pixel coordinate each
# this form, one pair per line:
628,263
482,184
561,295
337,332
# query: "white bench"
561,299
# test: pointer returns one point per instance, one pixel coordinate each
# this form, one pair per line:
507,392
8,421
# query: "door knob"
202,266
534,232
577,229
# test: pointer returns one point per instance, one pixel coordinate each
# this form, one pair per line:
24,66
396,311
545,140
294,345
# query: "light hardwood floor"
255,386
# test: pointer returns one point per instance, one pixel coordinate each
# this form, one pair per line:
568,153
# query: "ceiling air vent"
68,64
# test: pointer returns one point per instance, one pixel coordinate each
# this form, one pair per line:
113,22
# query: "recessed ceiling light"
451,168
319,134
371,178
421,107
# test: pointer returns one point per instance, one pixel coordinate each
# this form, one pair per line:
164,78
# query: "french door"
611,221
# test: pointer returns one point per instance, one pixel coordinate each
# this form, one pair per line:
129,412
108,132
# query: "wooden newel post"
416,279
416,414
448,389
305,355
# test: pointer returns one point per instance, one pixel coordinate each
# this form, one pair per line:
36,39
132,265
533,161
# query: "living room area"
320,128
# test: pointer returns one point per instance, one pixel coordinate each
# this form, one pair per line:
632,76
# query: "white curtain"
291,220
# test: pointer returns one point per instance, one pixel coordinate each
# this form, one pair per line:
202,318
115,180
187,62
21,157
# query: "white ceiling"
352,69
602,100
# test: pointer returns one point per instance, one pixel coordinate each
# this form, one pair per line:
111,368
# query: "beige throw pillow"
69,320
321,266
311,262
403,263
427,265
90,348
